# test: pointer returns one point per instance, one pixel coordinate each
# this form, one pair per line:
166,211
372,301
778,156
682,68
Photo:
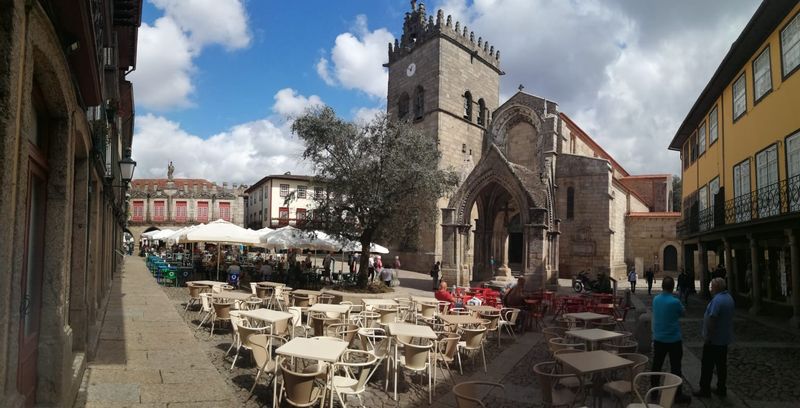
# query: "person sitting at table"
234,272
515,297
443,294
266,271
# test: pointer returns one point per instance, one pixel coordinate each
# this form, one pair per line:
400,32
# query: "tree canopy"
381,178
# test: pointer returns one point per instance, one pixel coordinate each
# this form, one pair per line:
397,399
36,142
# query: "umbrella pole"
218,255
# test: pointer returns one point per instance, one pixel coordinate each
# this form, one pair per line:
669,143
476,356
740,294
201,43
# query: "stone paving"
147,357
151,356
761,362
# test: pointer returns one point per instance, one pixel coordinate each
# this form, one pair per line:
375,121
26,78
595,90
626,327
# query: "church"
538,196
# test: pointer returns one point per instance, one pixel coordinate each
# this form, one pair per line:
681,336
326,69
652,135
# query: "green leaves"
382,178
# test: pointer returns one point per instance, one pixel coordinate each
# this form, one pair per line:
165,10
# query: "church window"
468,105
481,112
419,102
570,203
402,106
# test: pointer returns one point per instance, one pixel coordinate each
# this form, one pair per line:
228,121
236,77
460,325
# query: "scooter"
583,282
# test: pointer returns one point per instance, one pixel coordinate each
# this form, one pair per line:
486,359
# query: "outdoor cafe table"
482,309
266,315
409,330
268,283
229,294
460,320
329,351
371,303
593,362
586,316
330,308
424,299
593,336
312,294
206,282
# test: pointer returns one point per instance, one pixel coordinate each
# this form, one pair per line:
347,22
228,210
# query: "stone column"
756,281
732,279
795,268
701,249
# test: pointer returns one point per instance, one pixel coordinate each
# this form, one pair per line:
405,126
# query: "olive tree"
381,178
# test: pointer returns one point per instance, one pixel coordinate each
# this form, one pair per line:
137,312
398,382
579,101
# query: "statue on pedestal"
170,170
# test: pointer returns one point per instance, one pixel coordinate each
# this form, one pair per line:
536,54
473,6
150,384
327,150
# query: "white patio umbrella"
355,246
283,238
220,231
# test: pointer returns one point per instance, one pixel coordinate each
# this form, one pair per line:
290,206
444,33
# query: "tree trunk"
363,260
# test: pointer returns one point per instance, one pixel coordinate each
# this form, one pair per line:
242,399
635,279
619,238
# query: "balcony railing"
781,198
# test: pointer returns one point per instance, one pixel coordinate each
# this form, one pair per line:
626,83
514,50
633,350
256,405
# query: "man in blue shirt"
667,310
718,334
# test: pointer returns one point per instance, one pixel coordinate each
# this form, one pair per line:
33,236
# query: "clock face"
412,68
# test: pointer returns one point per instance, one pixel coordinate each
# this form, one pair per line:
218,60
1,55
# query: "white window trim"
795,23
743,96
714,115
768,73
701,139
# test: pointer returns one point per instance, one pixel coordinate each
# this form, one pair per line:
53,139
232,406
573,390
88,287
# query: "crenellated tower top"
419,27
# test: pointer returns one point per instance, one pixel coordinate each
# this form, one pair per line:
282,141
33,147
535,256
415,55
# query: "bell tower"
446,81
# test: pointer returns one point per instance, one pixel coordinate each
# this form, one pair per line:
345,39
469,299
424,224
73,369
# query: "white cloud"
357,59
167,49
366,115
164,66
241,154
627,71
210,21
289,104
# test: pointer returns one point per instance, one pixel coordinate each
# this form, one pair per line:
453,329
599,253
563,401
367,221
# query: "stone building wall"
585,239
648,235
620,203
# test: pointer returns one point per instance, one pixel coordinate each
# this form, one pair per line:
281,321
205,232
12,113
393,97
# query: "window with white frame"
702,198
739,97
318,192
713,126
301,191
701,139
793,170
741,190
762,77
713,190
284,190
790,46
767,182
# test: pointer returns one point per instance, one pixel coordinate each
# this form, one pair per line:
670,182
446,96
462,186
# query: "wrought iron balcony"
772,201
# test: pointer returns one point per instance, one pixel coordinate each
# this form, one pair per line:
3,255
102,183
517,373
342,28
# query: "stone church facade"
538,197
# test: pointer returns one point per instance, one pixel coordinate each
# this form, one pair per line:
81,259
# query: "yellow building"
740,152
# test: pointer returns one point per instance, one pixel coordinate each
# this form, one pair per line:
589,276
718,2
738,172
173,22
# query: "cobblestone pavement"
146,356
240,379
761,361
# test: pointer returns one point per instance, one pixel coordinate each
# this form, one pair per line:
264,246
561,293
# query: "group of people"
717,334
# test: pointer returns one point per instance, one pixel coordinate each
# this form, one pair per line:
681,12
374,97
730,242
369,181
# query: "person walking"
667,340
683,287
632,279
371,267
649,276
717,336
326,266
435,274
378,266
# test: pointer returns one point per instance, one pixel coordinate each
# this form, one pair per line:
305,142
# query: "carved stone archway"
496,185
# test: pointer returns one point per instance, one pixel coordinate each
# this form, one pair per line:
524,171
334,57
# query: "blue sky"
218,81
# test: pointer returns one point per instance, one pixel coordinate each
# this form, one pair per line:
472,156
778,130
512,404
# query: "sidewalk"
147,356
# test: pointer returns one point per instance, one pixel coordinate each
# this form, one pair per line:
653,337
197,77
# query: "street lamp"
126,167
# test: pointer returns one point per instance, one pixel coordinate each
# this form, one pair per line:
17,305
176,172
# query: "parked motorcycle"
583,282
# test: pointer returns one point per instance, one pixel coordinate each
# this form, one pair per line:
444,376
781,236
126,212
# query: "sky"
218,82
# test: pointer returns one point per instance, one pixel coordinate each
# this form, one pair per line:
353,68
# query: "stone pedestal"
503,278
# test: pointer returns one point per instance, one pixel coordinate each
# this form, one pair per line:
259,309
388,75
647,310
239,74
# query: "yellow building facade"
740,153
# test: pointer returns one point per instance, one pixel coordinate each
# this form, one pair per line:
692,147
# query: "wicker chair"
468,393
554,392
